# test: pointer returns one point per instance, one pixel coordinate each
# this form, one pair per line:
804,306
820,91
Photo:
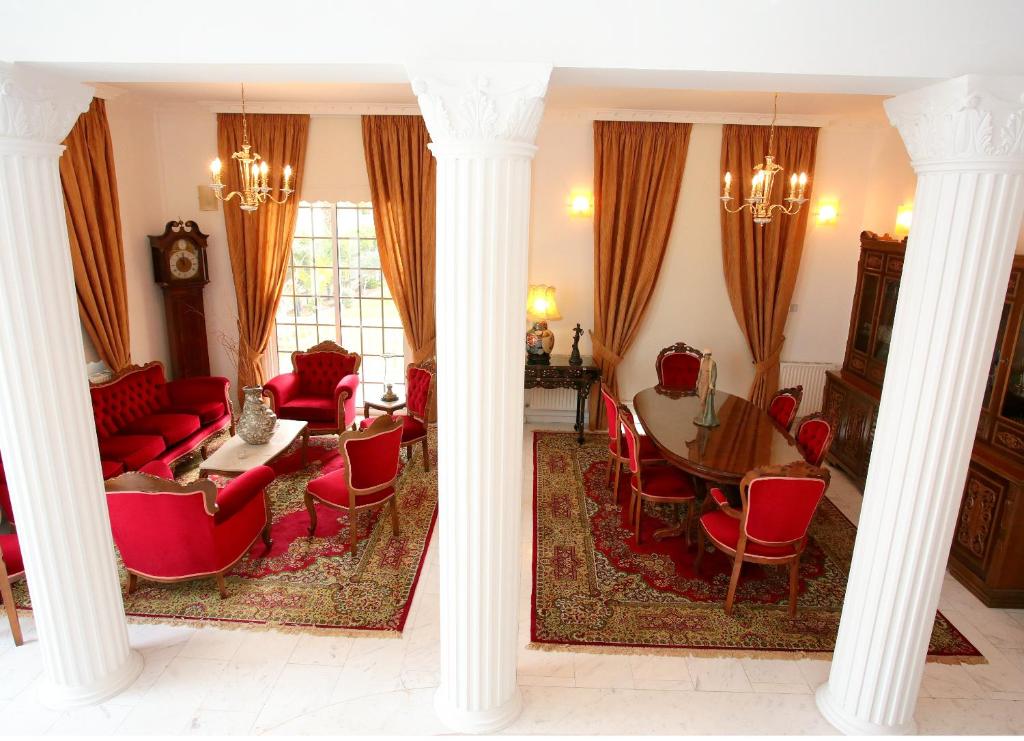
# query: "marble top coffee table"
236,456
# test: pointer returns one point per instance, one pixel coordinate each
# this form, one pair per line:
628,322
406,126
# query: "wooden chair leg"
221,586
611,462
12,613
794,586
133,582
353,534
426,455
396,528
638,510
690,507
737,565
618,474
700,550
311,508
305,445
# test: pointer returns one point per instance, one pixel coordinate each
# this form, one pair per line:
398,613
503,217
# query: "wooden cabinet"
987,554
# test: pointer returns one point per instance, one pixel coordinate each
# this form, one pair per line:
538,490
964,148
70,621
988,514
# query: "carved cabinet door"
977,524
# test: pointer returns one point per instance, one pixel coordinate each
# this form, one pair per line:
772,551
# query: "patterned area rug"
593,589
309,582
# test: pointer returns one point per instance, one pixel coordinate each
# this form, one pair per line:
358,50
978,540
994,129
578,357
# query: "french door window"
334,290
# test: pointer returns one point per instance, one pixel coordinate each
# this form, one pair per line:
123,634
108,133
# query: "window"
334,290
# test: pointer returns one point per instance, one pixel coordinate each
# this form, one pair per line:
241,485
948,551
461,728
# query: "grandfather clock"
180,268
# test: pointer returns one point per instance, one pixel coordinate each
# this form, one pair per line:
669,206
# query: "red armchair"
618,455
779,503
12,570
171,532
321,390
814,437
784,405
419,390
678,366
370,461
142,417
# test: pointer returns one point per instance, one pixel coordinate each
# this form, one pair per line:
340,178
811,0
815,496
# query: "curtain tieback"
772,358
602,352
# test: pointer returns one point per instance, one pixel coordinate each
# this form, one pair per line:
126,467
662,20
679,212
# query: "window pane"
350,339
348,253
286,310
323,253
347,222
366,223
369,283
303,279
327,332
325,310
302,252
288,289
395,370
350,312
285,338
387,290
284,362
324,281
348,282
303,225
368,256
307,336
372,342
391,317
394,342
371,312
305,311
373,366
322,220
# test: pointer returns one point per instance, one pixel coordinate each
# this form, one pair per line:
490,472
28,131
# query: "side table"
388,407
559,374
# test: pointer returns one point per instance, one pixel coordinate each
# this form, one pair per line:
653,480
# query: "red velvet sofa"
142,417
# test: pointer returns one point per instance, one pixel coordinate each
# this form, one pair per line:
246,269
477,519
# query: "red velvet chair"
172,532
618,455
678,367
12,570
779,503
370,462
784,405
6,512
814,437
321,390
419,393
659,483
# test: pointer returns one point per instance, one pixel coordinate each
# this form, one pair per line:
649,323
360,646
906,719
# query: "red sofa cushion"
111,469
310,408
10,549
320,372
131,397
207,412
132,450
172,427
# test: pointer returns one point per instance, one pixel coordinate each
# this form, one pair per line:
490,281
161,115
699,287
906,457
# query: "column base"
60,697
850,725
477,721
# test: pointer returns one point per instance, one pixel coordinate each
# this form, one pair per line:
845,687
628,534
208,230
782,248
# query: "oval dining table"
745,438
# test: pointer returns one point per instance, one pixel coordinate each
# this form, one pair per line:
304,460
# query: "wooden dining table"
745,438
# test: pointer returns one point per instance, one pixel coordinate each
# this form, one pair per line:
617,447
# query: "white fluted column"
46,429
482,120
966,142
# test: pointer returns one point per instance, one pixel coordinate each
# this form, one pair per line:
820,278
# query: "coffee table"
236,456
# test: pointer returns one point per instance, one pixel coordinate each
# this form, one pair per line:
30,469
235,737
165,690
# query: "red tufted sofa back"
319,372
131,397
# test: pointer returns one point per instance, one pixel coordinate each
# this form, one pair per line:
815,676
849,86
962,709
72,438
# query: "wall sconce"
904,215
828,211
581,202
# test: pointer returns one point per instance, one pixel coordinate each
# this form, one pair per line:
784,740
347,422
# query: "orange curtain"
94,231
638,170
761,263
403,182
260,242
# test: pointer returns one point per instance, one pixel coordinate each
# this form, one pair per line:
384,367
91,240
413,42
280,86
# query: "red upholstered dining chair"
678,366
171,532
419,393
779,503
658,482
12,570
618,455
784,405
814,437
321,389
370,462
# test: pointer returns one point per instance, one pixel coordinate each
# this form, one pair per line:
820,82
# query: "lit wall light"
828,211
581,202
904,215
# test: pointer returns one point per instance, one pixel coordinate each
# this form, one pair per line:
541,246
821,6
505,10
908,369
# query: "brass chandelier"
760,200
253,175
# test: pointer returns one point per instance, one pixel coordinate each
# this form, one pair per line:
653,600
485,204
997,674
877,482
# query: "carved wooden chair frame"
380,426
679,348
430,366
828,441
8,598
615,462
797,394
796,469
144,483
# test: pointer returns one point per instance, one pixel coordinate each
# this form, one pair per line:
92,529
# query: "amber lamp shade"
540,304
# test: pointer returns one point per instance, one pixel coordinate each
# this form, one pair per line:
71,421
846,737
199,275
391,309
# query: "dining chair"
12,570
370,463
419,393
660,483
784,405
779,503
814,437
678,366
618,455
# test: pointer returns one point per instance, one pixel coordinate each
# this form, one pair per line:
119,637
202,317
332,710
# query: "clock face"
184,260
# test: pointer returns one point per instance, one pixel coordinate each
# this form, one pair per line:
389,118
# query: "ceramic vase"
257,421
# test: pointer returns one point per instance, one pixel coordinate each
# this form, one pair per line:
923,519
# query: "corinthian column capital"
967,123
38,108
481,109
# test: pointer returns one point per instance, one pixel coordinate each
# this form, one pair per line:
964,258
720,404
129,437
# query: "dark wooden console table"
559,374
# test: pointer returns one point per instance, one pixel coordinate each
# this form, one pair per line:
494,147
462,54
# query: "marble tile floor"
213,681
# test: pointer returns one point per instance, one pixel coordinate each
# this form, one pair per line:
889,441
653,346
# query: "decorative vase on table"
707,377
540,307
257,422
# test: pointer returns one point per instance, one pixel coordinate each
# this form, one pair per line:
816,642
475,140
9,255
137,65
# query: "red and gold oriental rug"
593,590
309,582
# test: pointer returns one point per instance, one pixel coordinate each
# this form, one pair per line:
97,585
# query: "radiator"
550,405
809,375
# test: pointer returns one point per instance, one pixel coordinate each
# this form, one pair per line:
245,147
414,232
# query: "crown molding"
314,108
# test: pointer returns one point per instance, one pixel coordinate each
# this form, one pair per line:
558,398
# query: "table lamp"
540,309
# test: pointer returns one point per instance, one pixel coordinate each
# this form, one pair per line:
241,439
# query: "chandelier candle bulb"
728,184
792,187
803,185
